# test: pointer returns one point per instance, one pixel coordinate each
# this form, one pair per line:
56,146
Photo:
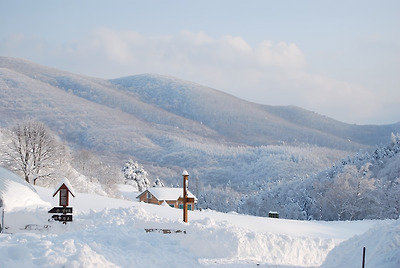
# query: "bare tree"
91,165
33,150
85,162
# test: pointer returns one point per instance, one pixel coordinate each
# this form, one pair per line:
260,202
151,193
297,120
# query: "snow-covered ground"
108,232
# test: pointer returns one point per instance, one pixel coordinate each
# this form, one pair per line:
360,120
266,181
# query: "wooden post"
363,259
185,175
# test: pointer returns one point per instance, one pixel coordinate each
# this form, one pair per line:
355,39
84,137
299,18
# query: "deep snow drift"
111,233
16,192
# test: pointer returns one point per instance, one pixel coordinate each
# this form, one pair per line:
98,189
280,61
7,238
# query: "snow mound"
16,193
128,191
97,239
108,232
382,244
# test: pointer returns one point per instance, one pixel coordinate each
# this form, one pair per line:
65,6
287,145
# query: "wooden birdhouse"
65,189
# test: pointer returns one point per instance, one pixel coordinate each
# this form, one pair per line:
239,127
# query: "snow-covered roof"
164,193
67,183
16,192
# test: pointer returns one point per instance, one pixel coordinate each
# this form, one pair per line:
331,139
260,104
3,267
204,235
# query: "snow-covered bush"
136,175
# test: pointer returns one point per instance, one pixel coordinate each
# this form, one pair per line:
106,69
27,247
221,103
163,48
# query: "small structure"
64,188
273,214
171,196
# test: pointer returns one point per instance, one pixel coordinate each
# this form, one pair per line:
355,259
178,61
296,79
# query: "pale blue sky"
337,58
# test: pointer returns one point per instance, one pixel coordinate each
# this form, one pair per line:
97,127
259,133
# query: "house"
172,196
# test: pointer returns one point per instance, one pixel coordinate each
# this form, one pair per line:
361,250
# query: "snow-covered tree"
136,175
158,182
34,150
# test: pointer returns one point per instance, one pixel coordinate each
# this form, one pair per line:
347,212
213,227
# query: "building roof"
164,193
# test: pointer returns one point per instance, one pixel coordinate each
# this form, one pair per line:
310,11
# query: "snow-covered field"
108,232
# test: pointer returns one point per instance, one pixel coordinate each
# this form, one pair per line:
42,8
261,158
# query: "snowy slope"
15,192
110,233
170,125
382,244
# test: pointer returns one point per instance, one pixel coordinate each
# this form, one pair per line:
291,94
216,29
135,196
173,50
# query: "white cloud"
126,47
280,55
117,46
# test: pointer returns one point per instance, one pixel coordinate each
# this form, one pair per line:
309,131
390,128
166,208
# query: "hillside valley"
168,124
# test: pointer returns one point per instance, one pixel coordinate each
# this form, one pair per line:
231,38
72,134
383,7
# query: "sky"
340,58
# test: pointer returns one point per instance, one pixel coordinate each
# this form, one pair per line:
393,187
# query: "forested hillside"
250,123
365,186
167,125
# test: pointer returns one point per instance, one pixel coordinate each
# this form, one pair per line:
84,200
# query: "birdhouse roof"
67,184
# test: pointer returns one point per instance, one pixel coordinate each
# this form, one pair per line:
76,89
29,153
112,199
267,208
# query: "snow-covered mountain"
169,124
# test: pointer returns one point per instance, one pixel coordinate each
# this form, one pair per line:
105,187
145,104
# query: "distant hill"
169,124
249,123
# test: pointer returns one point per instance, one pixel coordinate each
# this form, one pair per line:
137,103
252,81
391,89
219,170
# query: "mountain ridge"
170,124
274,115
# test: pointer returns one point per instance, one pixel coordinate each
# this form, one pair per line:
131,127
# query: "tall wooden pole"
363,258
185,175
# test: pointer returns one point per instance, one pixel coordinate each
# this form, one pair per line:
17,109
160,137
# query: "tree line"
365,186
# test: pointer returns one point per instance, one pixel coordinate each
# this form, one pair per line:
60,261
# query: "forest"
363,186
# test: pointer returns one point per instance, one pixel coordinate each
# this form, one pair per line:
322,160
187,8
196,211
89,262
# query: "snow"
108,232
16,192
128,191
382,244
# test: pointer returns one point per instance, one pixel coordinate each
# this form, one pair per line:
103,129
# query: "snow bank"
17,193
108,232
97,239
20,196
128,191
382,245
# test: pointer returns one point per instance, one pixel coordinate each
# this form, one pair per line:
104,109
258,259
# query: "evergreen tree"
136,175
158,182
